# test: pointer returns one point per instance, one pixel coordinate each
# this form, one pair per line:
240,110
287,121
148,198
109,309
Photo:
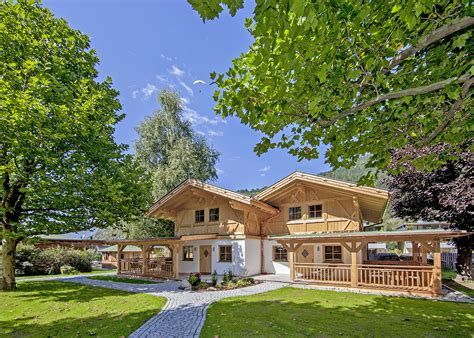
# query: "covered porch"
149,265
416,275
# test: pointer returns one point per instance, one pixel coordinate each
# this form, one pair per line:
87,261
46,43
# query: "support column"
424,258
436,268
175,249
119,259
291,257
354,279
414,251
145,259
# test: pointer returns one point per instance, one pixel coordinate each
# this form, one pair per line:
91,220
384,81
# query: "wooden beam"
145,259
291,257
347,246
119,260
437,268
354,279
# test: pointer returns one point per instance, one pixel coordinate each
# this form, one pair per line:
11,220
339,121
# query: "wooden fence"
448,259
158,267
407,277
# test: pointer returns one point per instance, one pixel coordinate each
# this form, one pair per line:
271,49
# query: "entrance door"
205,253
305,254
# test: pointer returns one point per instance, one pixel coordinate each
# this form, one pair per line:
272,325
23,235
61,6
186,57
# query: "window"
280,254
188,253
122,256
214,215
295,213
199,218
225,253
315,211
332,253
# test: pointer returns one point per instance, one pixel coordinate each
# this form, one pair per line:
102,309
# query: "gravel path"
185,312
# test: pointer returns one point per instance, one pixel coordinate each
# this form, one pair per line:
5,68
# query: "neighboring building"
109,255
306,227
446,246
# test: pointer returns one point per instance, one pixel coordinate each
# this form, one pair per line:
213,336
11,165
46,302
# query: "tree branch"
450,114
436,35
394,95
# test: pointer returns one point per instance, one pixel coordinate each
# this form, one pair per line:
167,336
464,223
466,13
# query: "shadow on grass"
459,287
46,291
297,312
106,325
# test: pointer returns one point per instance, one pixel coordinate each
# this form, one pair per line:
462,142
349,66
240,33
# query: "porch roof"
373,236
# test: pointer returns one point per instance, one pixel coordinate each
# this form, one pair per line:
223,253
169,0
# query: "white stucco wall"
269,265
252,256
238,257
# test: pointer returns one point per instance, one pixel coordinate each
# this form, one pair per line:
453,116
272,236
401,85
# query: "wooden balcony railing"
324,273
155,267
417,278
394,277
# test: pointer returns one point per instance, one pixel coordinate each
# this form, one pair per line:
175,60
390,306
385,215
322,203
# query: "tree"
170,151
361,77
445,194
60,168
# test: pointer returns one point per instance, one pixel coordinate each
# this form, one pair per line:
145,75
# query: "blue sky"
148,45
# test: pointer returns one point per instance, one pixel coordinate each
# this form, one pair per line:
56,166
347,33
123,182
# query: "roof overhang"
371,200
197,186
373,236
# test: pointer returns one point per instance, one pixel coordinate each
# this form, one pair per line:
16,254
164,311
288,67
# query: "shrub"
227,277
214,278
194,279
67,270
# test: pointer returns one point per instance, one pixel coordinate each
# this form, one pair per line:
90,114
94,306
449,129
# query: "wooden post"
119,259
291,257
354,279
175,248
145,259
424,258
436,268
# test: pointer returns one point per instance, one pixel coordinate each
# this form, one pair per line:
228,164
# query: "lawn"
299,312
123,280
466,287
60,309
19,278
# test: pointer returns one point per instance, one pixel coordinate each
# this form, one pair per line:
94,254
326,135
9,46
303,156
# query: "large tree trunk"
8,259
464,258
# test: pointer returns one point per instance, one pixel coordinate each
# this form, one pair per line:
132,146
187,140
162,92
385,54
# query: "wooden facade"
313,224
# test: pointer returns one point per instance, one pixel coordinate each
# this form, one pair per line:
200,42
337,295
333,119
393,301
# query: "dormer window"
315,211
294,213
199,216
214,215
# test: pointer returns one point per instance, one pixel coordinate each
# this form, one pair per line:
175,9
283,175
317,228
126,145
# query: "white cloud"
195,118
214,133
219,171
188,89
135,93
162,79
176,71
149,90
199,132
184,100
263,171
167,58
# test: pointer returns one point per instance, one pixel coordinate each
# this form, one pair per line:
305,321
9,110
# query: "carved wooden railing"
417,278
324,273
155,267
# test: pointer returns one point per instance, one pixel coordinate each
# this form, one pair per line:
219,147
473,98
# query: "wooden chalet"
306,227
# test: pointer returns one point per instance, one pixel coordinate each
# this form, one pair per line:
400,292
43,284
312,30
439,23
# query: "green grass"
60,309
74,274
448,274
449,277
299,312
123,280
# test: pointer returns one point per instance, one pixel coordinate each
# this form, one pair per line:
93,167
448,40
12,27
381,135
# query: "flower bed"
229,281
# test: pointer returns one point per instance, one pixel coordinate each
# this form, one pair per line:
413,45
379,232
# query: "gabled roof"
128,248
191,183
372,200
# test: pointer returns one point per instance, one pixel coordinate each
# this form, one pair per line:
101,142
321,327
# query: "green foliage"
170,150
214,278
194,279
33,261
361,78
60,167
227,277
251,192
67,270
